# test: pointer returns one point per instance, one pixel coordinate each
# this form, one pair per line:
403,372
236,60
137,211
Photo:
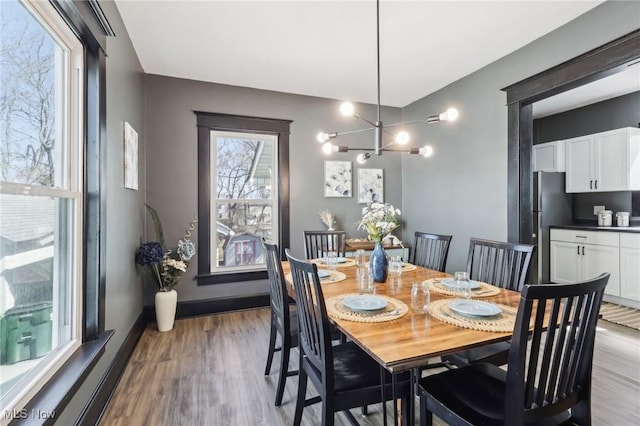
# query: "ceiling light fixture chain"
401,138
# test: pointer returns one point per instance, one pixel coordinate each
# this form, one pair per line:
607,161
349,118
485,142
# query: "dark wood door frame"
605,60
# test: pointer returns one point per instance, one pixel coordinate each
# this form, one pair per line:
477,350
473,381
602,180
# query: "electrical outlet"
597,209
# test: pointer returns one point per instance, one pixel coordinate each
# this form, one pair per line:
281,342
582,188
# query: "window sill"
57,393
209,279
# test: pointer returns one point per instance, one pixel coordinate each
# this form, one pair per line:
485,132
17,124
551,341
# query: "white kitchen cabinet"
606,161
549,157
630,266
580,255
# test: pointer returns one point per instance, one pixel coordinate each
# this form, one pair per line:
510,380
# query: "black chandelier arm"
365,120
349,132
406,123
360,149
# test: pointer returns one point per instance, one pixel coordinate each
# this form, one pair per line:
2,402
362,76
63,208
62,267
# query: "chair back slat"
546,355
499,263
313,322
279,298
430,250
318,243
556,366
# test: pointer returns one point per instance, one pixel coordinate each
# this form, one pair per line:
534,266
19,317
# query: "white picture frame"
370,186
130,137
337,178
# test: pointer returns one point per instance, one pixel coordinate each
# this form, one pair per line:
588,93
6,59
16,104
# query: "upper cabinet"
606,161
549,157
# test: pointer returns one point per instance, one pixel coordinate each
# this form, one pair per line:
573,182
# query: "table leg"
384,402
395,400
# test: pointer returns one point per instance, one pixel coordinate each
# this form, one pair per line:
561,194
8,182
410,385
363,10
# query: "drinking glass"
365,281
332,260
395,265
361,258
420,297
395,283
462,285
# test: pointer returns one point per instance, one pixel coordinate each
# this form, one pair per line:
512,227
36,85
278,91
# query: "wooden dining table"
414,339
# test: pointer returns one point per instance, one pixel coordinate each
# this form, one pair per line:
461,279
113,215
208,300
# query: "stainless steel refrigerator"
551,206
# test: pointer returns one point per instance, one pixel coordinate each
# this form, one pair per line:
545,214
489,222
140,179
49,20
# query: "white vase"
166,302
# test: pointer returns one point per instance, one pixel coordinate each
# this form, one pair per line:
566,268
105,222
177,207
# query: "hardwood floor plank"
209,371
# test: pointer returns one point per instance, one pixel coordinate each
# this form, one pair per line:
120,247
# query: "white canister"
622,218
604,218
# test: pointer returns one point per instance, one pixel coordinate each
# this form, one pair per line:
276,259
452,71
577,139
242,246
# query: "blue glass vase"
379,264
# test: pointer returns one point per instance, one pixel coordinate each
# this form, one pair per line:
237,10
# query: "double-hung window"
244,199
243,194
41,199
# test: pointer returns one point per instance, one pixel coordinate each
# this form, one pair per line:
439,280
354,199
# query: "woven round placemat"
395,309
485,290
501,323
348,262
336,276
406,267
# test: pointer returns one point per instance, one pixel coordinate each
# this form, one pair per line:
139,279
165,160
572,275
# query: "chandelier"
399,139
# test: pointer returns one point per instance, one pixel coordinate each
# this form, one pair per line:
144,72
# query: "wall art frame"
130,139
338,179
370,186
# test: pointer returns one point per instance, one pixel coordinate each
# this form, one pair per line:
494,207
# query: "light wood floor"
209,371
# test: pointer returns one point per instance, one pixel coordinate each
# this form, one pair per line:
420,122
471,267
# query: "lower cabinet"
630,266
580,255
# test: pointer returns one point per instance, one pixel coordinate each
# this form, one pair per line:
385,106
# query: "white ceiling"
627,81
327,48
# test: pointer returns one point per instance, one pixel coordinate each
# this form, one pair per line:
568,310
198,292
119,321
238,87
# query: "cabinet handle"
590,184
578,250
583,250
596,184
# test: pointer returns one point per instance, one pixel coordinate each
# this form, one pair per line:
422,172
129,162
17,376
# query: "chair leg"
327,412
272,347
581,413
302,393
426,418
284,368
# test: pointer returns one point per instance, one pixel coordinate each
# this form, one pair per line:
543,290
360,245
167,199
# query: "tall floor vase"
166,302
379,264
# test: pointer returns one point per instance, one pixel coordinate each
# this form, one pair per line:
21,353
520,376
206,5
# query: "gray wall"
463,190
615,113
172,161
125,102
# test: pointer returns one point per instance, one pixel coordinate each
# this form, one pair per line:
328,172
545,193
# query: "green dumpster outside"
25,333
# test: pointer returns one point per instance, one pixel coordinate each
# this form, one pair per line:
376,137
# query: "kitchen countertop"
633,229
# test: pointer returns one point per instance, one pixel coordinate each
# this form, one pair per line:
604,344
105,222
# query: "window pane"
240,227
31,89
243,178
243,168
36,276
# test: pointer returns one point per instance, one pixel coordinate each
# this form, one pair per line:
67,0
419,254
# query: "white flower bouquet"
379,220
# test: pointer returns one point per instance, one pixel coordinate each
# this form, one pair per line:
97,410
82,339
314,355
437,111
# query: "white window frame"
68,185
274,202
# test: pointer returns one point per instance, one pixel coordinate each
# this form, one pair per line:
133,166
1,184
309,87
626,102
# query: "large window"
245,199
41,198
243,194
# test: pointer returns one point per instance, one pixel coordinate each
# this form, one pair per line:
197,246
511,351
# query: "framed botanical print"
370,186
130,157
337,179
